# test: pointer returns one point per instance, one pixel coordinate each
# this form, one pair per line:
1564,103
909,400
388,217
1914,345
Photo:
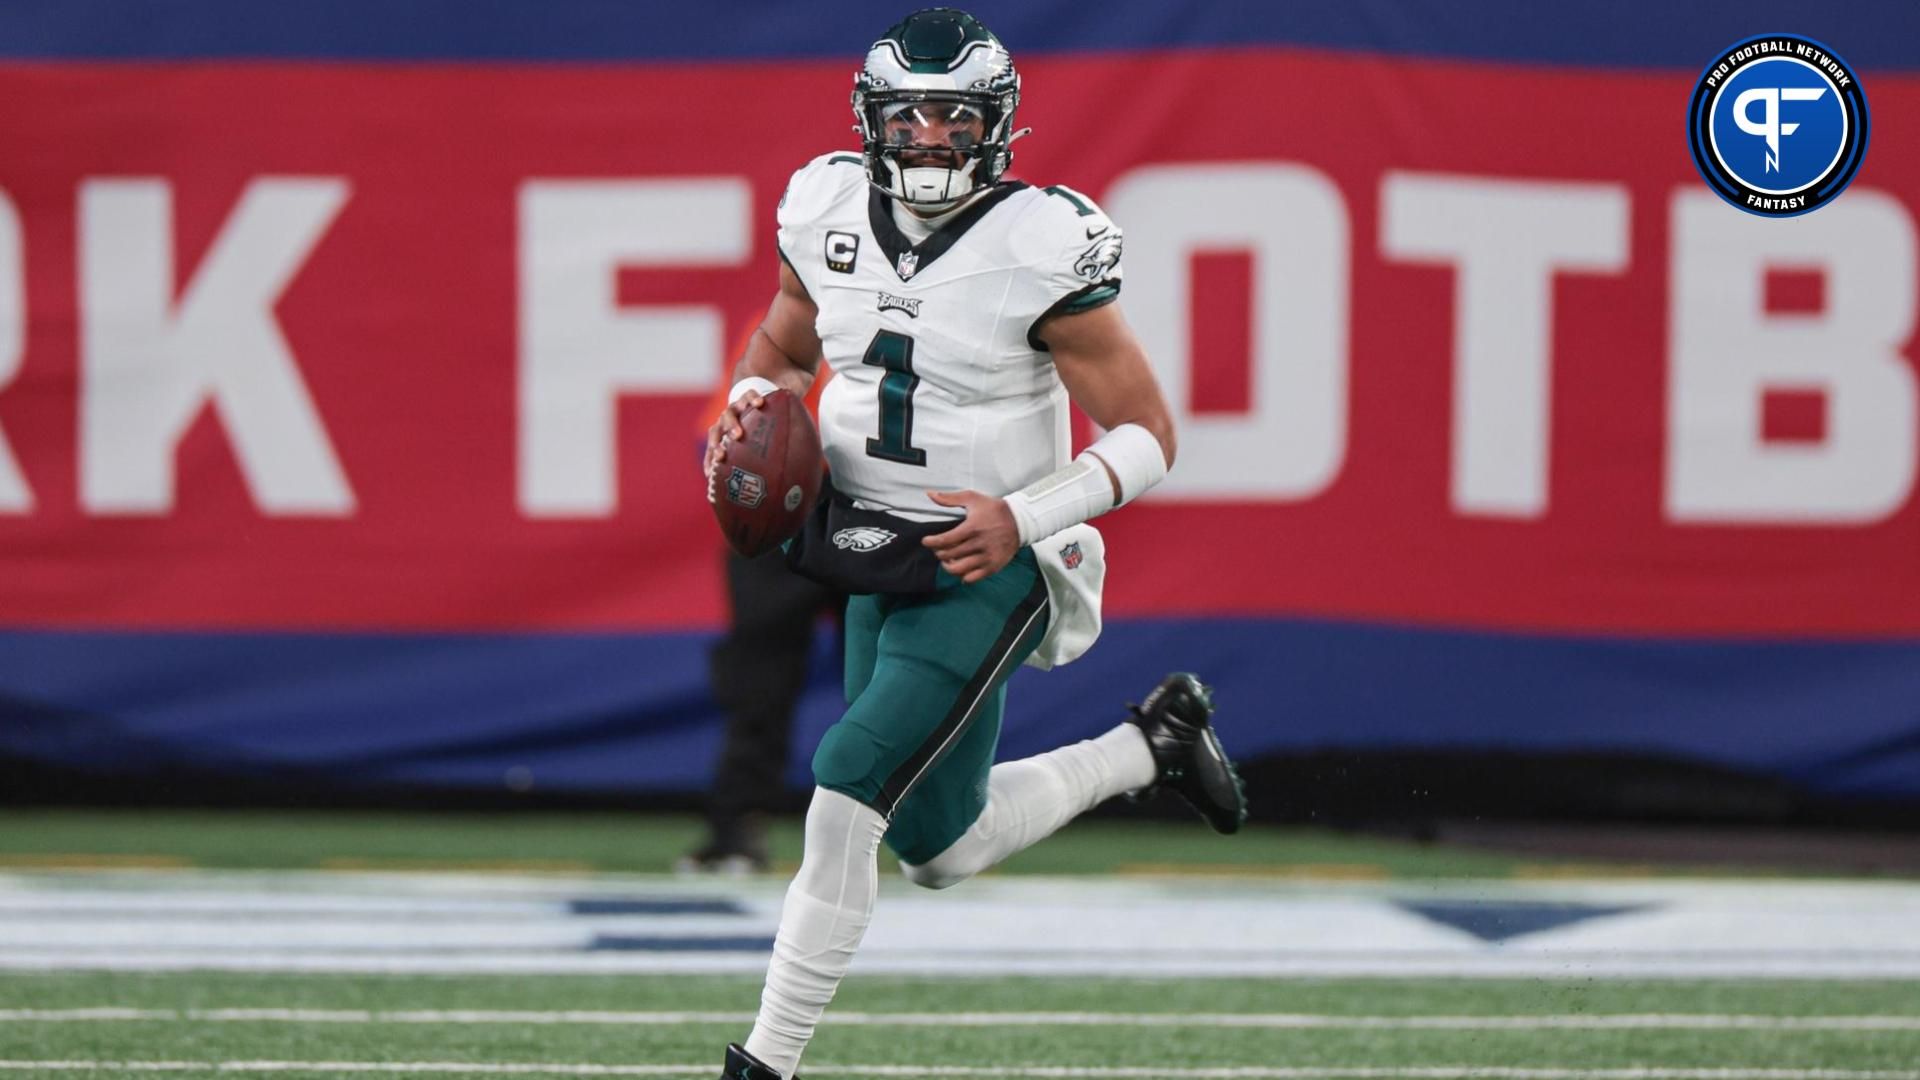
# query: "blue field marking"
1634,34
628,905
1056,927
1503,920
651,943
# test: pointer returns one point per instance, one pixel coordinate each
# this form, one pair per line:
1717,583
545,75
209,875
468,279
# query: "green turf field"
634,843
1356,1025
204,1024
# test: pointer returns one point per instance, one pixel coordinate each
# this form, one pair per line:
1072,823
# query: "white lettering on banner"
579,350
148,365
1726,350
1507,238
1294,220
15,496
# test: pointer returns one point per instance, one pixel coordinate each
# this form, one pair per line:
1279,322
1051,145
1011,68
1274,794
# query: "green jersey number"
894,352
1079,204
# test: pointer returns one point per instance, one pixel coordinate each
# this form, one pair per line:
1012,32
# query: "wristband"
751,382
1135,457
1083,490
1061,499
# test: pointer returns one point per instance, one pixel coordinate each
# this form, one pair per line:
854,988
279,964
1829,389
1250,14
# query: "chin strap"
903,182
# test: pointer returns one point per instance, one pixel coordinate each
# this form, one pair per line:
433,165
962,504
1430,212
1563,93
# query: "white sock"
822,921
1028,800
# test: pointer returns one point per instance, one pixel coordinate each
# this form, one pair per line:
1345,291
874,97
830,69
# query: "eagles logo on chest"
908,304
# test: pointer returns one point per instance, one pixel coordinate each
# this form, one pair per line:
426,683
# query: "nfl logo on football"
745,488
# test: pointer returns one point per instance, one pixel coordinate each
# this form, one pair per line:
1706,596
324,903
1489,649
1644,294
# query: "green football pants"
926,683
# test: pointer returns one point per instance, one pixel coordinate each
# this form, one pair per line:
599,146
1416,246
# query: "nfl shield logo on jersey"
1070,555
909,262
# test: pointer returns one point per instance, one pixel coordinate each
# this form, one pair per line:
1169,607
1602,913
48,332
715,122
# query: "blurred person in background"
758,671
954,512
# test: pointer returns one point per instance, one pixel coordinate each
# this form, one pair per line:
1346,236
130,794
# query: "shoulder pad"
819,184
1058,217
1068,237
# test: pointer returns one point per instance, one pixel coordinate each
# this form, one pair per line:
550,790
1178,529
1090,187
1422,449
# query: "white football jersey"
939,382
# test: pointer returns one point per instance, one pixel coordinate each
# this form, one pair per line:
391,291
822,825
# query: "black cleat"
734,848
744,1066
1176,719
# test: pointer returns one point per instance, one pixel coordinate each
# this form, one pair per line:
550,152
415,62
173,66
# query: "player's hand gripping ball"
763,470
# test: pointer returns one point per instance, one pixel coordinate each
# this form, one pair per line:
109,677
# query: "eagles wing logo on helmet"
941,56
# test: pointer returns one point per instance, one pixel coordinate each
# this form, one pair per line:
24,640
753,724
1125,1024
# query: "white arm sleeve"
1082,491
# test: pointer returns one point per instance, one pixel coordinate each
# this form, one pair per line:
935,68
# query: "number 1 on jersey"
894,352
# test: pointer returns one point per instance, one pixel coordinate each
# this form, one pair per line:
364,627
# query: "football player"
961,312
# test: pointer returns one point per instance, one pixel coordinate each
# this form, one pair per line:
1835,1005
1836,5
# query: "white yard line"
1079,929
1464,964
1283,1021
1010,1072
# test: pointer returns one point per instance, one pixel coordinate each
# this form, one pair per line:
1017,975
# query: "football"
765,487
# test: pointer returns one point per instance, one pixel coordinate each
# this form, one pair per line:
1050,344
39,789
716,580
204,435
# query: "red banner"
373,346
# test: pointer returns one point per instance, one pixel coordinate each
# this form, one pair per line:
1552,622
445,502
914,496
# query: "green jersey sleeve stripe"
1098,294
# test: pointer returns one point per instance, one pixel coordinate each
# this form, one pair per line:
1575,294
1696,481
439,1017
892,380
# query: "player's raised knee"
847,762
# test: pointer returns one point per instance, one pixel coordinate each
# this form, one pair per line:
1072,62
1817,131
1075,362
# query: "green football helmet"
935,102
